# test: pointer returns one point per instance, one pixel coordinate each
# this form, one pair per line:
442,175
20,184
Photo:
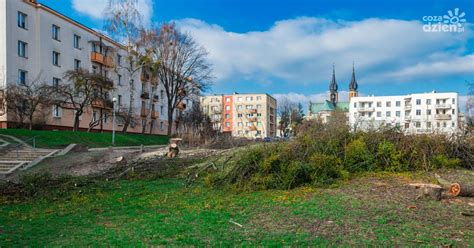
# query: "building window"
259,124
453,124
418,101
239,107
77,64
454,101
249,106
55,32
106,117
55,58
56,82
119,80
388,114
22,20
259,106
22,48
388,104
227,116
407,125
379,114
417,124
240,124
418,112
398,103
428,101
227,99
56,111
94,115
398,113
249,98
259,98
428,124
119,59
379,104
227,107
119,100
227,124
444,124
428,112
239,115
355,105
77,41
22,75
162,94
161,126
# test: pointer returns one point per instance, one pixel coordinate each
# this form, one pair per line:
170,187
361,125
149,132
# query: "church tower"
353,85
333,95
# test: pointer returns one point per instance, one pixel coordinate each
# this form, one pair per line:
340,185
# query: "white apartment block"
414,114
36,41
242,115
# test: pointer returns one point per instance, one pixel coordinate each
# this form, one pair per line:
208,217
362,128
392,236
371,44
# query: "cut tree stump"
432,191
173,151
458,189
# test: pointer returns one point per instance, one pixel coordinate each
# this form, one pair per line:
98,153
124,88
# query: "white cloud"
95,8
302,51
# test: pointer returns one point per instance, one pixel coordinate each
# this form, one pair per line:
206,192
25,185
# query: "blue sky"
287,48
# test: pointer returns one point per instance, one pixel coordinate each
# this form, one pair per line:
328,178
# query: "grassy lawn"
164,212
59,139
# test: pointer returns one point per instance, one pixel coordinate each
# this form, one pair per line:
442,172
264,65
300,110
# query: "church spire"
353,86
333,95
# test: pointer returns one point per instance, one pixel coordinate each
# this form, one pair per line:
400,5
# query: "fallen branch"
235,223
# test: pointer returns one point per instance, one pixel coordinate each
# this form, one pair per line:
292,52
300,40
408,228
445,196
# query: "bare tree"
182,67
470,104
82,91
24,100
124,22
291,115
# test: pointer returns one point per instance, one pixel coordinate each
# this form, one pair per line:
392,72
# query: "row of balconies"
407,107
437,117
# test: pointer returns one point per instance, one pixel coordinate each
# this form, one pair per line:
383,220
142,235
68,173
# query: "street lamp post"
114,100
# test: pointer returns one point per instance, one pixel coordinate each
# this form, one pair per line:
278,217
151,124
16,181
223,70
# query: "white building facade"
414,114
39,43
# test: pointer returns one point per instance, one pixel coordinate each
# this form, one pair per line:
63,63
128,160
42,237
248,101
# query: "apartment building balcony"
101,59
366,109
407,118
154,114
252,128
253,119
144,112
442,117
145,95
252,111
443,106
181,106
155,98
408,106
103,104
145,77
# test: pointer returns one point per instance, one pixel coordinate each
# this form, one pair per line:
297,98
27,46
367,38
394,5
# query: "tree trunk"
30,125
458,189
170,124
76,122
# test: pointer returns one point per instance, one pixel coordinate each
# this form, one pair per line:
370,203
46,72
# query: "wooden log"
458,189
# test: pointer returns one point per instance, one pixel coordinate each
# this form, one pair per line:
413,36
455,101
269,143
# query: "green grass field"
59,139
163,212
